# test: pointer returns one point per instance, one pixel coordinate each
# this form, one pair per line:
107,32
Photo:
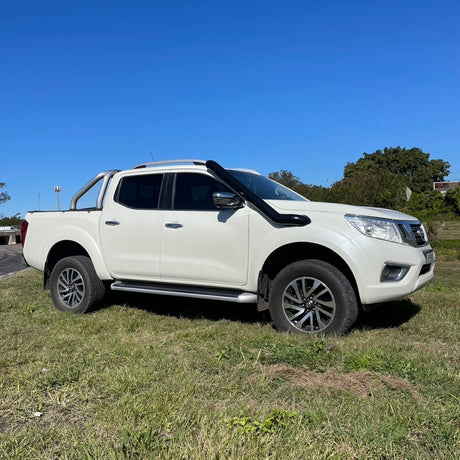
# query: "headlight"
383,229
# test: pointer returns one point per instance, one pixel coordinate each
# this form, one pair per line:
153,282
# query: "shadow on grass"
181,307
388,315
384,316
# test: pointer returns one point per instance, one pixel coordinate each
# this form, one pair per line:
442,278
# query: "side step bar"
185,291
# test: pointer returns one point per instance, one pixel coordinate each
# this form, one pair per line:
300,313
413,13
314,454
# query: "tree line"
7,221
395,178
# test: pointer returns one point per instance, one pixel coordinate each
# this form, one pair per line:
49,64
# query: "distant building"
10,235
443,187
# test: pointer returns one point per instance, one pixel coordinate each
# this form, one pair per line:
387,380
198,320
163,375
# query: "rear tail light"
24,226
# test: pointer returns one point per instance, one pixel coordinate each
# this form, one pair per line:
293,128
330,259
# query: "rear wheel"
75,286
312,297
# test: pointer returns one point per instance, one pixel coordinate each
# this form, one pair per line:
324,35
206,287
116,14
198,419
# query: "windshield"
265,188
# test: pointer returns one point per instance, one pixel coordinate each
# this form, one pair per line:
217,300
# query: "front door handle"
173,225
112,223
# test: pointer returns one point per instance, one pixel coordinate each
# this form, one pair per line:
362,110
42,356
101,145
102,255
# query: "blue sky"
307,86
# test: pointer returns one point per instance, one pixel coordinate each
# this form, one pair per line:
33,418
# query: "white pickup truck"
192,228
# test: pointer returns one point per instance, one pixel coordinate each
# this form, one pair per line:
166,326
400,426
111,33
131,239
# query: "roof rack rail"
156,163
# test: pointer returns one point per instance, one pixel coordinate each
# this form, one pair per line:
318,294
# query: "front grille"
413,234
419,234
404,232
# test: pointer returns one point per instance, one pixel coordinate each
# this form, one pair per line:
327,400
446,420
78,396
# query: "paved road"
11,260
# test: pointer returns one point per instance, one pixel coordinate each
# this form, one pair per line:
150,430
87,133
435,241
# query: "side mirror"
227,200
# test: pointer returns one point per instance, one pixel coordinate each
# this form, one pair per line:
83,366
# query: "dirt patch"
361,383
4,425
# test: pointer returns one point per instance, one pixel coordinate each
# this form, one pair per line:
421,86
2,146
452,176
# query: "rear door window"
140,191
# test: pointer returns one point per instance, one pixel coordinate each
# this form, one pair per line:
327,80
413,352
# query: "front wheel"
74,285
312,297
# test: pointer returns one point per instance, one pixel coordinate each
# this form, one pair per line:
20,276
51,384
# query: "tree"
415,166
372,186
314,192
452,199
382,179
427,204
3,195
13,221
285,177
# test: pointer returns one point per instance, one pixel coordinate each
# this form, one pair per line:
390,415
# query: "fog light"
392,272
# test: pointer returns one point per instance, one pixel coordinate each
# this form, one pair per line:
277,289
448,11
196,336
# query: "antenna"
153,158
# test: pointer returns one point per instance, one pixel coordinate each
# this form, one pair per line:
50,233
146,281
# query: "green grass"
449,230
153,377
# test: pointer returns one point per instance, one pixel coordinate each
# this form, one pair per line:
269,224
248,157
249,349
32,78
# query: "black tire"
312,297
75,286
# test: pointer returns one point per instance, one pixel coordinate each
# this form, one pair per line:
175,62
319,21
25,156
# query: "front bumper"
374,255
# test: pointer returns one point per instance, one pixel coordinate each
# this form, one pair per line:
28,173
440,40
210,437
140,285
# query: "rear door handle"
112,223
173,225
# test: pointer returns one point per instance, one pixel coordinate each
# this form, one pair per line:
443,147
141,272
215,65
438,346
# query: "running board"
185,291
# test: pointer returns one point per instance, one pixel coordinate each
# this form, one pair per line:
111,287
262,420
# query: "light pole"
58,190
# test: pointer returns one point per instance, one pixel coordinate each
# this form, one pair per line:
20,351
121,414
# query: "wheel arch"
60,250
293,252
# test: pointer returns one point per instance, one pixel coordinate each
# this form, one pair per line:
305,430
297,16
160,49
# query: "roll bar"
106,176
